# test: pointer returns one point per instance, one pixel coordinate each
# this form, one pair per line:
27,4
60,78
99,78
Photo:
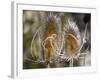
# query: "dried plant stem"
40,49
48,65
71,63
33,40
84,37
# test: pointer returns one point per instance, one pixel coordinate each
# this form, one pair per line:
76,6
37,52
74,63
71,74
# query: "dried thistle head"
72,39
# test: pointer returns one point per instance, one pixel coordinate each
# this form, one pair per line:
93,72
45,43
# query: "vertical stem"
40,55
84,60
71,63
48,65
84,37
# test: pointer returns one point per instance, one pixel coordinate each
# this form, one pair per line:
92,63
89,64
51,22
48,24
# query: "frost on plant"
56,39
